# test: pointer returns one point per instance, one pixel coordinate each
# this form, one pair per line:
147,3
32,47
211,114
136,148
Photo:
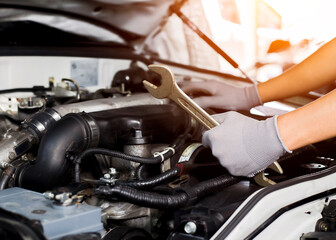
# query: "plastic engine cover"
57,221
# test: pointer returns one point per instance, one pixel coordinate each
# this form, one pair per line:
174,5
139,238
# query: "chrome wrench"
169,89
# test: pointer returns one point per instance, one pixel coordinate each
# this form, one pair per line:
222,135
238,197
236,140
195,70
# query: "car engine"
118,164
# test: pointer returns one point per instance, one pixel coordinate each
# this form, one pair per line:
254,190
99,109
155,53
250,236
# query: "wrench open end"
151,88
276,167
162,70
167,81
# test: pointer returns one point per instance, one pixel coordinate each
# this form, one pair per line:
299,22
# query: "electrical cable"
180,199
153,181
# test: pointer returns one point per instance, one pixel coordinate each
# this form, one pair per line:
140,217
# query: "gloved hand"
244,146
223,96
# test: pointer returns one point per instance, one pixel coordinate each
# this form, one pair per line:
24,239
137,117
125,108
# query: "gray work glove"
223,96
244,146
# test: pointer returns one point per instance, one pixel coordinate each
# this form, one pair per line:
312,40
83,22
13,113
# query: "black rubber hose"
51,168
139,171
176,144
153,181
6,176
40,122
142,160
150,161
112,153
4,181
181,199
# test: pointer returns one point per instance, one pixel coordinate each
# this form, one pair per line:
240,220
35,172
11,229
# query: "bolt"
107,176
30,102
4,164
104,205
323,227
48,195
190,227
11,155
138,133
63,197
112,171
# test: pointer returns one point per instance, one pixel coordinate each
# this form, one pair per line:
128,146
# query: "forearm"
310,124
314,72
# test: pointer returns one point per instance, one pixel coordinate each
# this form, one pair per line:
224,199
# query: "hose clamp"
93,130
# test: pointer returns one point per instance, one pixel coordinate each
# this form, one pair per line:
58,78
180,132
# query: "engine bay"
119,164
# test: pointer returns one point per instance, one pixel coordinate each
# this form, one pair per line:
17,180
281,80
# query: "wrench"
169,89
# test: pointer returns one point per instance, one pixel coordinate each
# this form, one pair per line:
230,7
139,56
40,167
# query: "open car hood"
130,19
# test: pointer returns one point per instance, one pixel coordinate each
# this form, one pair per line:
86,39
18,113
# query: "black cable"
144,198
177,143
210,186
153,181
180,199
33,89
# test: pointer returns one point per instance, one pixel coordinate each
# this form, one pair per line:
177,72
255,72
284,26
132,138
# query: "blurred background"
265,37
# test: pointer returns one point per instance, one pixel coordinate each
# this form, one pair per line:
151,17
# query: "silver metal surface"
131,215
109,103
10,141
190,227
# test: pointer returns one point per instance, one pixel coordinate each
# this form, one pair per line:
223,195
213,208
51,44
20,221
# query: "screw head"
190,227
107,176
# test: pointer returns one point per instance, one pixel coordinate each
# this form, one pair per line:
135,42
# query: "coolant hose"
156,200
154,181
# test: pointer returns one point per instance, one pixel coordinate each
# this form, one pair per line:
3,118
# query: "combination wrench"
169,89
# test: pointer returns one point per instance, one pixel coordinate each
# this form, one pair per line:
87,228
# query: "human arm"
246,146
309,124
310,74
